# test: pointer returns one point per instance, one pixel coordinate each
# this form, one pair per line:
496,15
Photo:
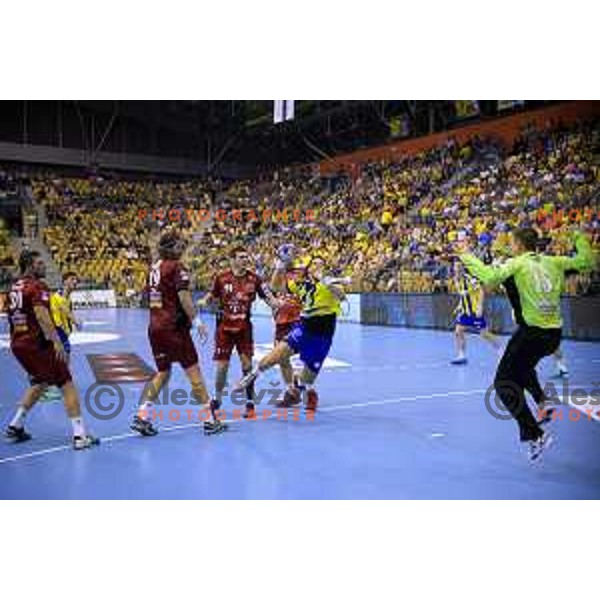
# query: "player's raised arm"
336,285
584,258
285,256
487,274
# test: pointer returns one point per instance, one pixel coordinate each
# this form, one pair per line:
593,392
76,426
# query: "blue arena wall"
581,315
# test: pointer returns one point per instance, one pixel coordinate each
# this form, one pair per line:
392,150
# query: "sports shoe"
312,400
459,361
291,397
87,441
213,427
143,427
17,434
537,447
250,412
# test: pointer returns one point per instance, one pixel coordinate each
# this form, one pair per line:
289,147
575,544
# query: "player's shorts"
473,322
282,330
172,346
64,338
227,339
41,362
313,346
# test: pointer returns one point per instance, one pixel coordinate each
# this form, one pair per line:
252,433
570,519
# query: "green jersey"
539,280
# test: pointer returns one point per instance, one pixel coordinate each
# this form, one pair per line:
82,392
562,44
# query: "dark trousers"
516,373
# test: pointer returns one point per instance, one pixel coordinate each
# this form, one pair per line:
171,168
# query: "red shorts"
226,340
41,362
282,330
172,346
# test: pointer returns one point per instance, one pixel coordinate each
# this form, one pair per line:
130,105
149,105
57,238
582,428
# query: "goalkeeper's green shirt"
539,280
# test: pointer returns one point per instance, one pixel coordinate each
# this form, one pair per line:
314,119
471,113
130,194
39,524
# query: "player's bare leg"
199,390
292,393
200,395
282,351
246,362
460,341
221,372
142,422
16,428
81,439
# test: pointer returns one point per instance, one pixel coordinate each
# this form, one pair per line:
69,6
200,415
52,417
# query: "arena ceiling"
223,131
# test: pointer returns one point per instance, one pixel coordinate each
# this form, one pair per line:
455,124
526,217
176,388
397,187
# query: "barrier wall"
94,299
581,315
505,129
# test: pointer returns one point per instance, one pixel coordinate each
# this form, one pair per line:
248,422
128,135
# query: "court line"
103,440
325,409
167,429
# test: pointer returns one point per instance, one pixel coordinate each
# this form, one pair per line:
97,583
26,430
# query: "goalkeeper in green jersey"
534,283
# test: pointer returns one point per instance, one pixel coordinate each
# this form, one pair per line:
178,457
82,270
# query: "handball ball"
286,252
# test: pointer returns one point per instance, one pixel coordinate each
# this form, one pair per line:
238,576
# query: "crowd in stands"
7,259
390,227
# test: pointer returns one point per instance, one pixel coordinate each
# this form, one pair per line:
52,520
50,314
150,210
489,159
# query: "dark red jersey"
292,307
166,279
26,293
235,296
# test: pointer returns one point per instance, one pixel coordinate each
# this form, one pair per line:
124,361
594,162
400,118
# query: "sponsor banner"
94,299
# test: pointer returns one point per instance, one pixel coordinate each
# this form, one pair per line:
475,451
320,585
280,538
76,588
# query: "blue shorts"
473,322
312,346
64,338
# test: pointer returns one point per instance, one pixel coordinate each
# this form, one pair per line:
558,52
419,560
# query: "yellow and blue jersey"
317,299
470,292
60,309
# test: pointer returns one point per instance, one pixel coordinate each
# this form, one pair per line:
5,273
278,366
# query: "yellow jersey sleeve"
59,309
317,300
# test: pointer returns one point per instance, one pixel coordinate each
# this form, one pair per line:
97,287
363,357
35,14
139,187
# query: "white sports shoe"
537,447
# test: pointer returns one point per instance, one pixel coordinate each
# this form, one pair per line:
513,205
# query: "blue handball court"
396,421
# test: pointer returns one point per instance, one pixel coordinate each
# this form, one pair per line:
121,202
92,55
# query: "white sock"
19,418
78,427
460,355
146,410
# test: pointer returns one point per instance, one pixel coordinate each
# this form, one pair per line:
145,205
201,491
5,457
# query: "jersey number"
16,300
542,282
155,277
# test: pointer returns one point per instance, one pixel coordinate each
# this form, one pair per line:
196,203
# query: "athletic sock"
78,427
19,418
145,410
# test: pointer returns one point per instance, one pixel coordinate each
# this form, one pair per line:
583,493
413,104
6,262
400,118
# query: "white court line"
325,409
123,436
112,438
